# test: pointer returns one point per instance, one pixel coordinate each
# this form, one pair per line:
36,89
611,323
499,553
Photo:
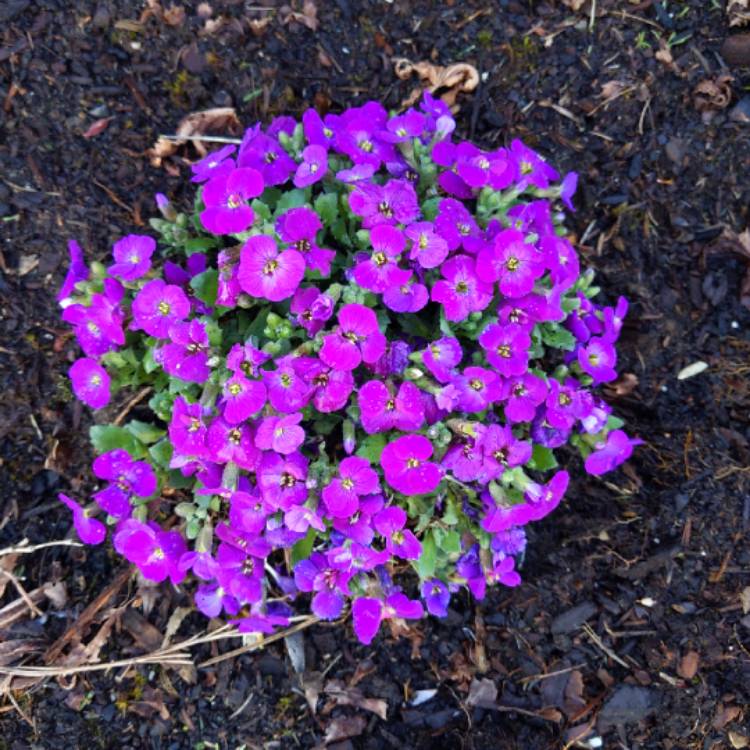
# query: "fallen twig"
24,548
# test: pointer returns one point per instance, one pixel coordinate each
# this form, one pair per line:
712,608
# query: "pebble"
736,51
741,111
628,705
573,618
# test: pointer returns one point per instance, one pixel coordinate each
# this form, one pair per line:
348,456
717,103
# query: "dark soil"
630,623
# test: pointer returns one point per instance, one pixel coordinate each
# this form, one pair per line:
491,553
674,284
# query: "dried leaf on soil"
308,17
738,12
99,126
345,727
574,4
745,600
713,95
688,666
725,715
447,81
482,693
219,119
348,696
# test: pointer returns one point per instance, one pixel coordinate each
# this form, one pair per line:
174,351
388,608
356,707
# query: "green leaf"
425,565
291,199
258,325
556,336
340,231
161,453
145,432
184,510
200,244
448,542
301,550
371,447
327,207
542,458
205,285
107,437
149,363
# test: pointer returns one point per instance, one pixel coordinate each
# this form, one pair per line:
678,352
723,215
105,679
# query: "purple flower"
77,271
280,434
358,526
562,260
266,154
501,450
522,395
454,223
242,398
329,584
132,257
246,358
240,573
502,571
512,261
436,596
368,613
568,189
88,529
225,197
441,357
510,542
406,467
186,356
565,404
473,166
469,567
428,248
312,308
356,478
298,227
615,450
389,523
330,388
212,598
542,499
228,287
227,442
318,131
598,359
277,615
156,553
392,203
90,382
506,348
282,479
157,307
266,272
461,292
380,271
187,430
404,127
464,460
408,297
394,361
357,339
313,167
381,411
214,164
357,173
358,140
287,389
248,512
127,478
98,328
533,170
613,320
477,389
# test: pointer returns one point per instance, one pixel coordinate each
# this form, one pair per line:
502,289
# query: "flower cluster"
363,349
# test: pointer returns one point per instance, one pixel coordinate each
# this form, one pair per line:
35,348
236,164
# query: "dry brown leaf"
688,666
219,119
574,4
344,727
623,386
738,741
308,17
349,696
56,593
174,15
447,81
99,126
482,693
712,95
745,600
738,12
724,716
613,89
7,563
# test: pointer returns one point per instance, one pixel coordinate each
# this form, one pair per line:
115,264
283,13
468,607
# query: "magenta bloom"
280,434
512,261
156,553
282,479
330,388
404,127
127,479
242,398
312,308
298,227
472,165
187,429
406,467
317,130
598,359
248,512
523,395
356,478
214,164
265,154
461,292
313,167
287,389
436,596
98,328
227,442
441,357
408,297
329,584
501,450
506,348
532,169
267,272
368,613
88,529
186,356
228,287
428,248
562,260
357,339
132,257
455,224
389,523
77,271
90,382
358,526
615,450
158,306
392,203
226,196
381,411
380,271
246,358
478,388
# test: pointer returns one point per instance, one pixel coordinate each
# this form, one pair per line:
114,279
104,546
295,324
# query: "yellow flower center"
164,307
270,267
347,483
235,389
412,463
504,351
512,264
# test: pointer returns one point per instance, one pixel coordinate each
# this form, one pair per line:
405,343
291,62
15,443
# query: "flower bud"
166,209
350,442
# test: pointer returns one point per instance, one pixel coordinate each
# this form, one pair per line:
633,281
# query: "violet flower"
127,479
329,584
392,203
90,382
381,271
214,164
356,478
132,256
187,428
312,309
299,227
441,357
282,479
227,442
157,307
406,468
436,596
522,395
608,455
461,292
330,388
280,434
267,156
225,197
266,272
156,553
506,348
186,356
511,261
98,327
428,247
288,391
242,398
77,271
357,339
368,613
598,359
313,168
88,529
381,411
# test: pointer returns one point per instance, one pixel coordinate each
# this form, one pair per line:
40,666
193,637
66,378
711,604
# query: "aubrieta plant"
361,350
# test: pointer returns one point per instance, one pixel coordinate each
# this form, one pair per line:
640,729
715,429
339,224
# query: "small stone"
628,705
736,50
573,618
741,111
